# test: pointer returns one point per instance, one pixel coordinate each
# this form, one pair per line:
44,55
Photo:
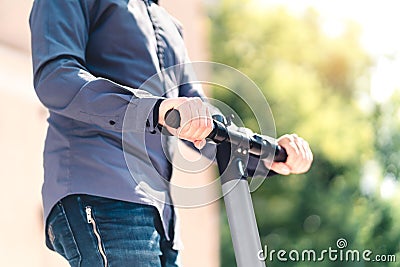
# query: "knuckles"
196,123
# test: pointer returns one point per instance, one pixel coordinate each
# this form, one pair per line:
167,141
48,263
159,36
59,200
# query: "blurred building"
22,132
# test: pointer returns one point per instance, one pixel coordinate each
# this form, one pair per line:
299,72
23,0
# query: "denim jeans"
92,231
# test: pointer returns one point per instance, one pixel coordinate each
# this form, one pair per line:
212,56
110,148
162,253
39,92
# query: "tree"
311,82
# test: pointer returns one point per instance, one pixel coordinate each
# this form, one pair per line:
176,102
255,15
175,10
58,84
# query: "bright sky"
380,35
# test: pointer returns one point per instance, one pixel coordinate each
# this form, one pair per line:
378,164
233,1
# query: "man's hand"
299,154
196,120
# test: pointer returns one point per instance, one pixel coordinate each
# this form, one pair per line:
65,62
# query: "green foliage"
311,82
387,127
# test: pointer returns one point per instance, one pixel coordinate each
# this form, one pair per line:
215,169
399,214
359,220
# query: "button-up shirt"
90,61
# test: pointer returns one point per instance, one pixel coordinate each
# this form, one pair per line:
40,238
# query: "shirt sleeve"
59,34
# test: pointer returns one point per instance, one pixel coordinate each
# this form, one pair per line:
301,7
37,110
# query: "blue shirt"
89,59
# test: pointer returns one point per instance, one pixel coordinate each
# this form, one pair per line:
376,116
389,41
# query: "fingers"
204,123
196,121
299,153
199,144
281,168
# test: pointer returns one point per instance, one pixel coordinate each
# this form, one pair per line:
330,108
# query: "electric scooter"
233,151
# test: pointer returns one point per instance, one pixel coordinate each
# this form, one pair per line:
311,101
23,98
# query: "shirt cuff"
139,116
152,121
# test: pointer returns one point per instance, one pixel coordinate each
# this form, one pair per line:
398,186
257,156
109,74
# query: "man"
89,58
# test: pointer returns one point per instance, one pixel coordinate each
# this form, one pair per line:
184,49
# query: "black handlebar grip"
280,154
173,118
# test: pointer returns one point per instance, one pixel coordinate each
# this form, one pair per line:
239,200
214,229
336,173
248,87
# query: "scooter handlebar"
256,144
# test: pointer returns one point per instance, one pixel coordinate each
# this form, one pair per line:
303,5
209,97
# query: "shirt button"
111,122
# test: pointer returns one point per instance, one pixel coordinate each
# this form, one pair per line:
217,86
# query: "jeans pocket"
60,236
